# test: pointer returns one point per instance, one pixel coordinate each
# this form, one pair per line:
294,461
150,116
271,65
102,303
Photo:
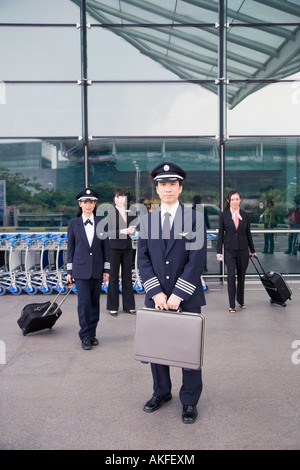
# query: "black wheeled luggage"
39,316
274,284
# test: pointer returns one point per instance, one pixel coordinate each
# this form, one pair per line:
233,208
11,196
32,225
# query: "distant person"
197,201
87,264
234,234
269,223
119,230
294,218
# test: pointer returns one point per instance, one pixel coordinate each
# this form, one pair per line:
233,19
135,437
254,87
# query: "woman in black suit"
119,231
235,235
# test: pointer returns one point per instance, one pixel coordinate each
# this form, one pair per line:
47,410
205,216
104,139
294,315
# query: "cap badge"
166,167
88,191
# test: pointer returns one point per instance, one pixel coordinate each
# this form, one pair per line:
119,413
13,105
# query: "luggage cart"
32,265
5,281
48,263
61,263
138,286
33,262
16,264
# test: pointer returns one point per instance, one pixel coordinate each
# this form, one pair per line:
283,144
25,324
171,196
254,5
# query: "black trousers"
88,291
191,387
236,262
190,390
120,258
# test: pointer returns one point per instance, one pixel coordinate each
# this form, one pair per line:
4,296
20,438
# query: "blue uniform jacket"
177,268
83,261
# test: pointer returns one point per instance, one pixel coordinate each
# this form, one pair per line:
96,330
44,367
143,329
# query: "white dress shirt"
172,213
89,229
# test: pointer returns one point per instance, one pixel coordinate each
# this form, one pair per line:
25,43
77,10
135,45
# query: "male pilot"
171,260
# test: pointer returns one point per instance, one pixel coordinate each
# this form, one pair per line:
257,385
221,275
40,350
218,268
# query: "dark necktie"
88,222
166,228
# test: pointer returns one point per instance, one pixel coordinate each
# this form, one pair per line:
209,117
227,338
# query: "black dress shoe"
130,311
189,414
86,345
94,342
156,402
113,313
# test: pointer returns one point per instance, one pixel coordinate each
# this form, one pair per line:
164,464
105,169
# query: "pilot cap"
87,194
168,171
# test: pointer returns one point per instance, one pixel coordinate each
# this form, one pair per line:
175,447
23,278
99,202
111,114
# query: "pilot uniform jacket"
232,238
85,261
175,269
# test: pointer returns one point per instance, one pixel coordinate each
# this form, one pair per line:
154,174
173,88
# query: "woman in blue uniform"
87,264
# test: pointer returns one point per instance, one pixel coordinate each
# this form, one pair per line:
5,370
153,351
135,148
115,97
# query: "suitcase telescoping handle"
252,259
70,287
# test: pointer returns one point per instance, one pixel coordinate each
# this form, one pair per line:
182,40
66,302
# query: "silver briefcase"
169,338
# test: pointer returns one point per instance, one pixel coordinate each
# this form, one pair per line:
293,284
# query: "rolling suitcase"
170,338
39,316
274,284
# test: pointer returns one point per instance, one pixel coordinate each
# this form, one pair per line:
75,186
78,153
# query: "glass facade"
98,93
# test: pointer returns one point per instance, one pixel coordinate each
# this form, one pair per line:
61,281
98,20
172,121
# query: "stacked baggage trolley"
33,263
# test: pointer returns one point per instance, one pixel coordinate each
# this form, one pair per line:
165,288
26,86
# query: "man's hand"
105,277
173,302
160,301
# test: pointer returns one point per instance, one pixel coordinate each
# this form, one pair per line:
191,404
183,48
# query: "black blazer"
232,238
116,223
85,261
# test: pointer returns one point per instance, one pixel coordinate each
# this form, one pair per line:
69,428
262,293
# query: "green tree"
18,187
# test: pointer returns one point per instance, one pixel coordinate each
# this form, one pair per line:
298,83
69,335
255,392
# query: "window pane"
39,11
153,53
140,109
40,53
42,178
272,110
129,162
40,110
271,169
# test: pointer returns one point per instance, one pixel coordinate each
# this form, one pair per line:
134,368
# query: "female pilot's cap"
87,194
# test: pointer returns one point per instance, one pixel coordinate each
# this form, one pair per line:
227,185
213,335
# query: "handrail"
264,230
282,230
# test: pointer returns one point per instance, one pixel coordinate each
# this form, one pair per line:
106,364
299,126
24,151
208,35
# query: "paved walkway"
56,396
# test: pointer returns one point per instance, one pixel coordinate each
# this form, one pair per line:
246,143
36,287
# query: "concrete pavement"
56,396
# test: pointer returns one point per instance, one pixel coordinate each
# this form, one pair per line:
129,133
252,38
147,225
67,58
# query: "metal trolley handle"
63,300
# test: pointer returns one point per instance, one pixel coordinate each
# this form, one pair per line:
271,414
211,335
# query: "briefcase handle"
173,311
